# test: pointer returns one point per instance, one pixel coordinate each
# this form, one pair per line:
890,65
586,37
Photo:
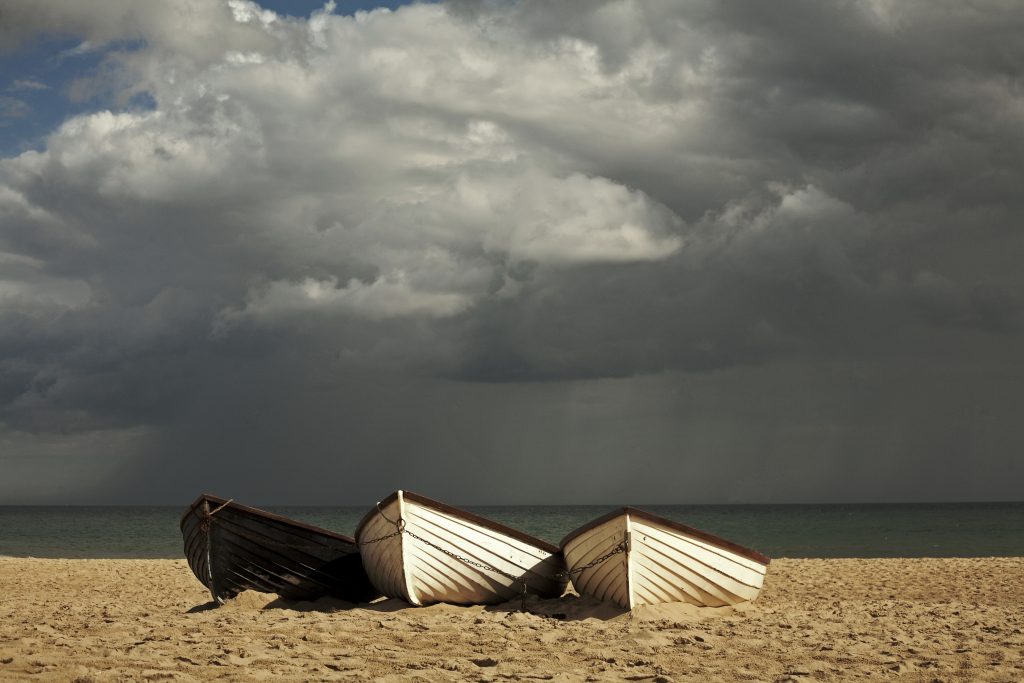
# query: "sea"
878,530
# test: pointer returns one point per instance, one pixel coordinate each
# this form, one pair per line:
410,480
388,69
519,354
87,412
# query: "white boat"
632,557
425,552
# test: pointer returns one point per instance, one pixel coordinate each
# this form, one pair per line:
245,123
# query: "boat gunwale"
217,500
718,541
464,514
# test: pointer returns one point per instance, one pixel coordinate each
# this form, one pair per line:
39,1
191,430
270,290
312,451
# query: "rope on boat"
220,507
204,527
206,524
207,521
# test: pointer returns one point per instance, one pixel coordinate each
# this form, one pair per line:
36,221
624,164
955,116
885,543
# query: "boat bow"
425,551
632,557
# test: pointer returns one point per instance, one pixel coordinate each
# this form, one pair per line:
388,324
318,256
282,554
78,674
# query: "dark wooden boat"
232,548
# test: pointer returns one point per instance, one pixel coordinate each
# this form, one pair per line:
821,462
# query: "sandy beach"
913,620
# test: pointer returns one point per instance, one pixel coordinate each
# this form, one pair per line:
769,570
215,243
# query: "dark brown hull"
239,548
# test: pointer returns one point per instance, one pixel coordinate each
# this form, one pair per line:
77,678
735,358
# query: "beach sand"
148,620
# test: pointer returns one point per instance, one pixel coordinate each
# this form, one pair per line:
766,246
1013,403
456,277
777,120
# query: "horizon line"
611,505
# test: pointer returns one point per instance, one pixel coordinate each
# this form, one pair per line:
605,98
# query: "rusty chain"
399,528
569,573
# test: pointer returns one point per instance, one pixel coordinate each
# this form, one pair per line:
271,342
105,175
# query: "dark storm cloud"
483,232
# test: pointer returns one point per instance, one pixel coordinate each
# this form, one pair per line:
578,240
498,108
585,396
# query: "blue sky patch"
36,80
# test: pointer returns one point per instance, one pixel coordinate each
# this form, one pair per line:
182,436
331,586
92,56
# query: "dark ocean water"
906,530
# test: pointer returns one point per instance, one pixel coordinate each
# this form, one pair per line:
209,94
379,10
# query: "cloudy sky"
511,252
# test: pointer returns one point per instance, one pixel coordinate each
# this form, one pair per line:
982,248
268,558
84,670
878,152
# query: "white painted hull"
664,562
412,565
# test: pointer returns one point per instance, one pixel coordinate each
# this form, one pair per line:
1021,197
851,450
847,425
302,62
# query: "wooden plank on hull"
232,547
663,561
452,555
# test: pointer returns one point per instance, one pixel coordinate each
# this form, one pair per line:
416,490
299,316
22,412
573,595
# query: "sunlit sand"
915,619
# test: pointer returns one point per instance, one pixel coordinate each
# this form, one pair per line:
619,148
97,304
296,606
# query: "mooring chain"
400,528
381,538
569,573
478,565
521,580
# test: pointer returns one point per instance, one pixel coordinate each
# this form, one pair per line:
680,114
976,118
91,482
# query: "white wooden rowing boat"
632,557
424,552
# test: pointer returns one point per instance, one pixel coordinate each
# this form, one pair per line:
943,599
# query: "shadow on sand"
206,606
567,608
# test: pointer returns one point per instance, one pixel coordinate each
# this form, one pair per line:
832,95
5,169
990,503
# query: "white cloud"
385,297
41,292
27,287
198,28
27,84
568,220
364,142
13,108
450,164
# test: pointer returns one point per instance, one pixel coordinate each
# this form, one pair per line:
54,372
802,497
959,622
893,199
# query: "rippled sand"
913,620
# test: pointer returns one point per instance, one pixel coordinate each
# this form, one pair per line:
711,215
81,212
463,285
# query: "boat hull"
444,554
632,557
232,548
